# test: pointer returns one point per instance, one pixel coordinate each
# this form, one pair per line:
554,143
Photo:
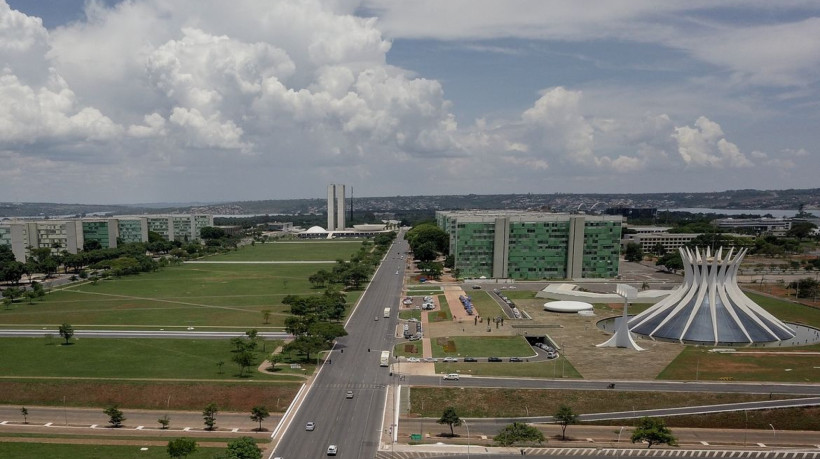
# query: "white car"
451,377
332,450
413,359
310,426
450,359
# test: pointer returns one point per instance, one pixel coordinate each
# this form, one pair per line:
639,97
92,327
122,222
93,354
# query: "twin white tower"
335,207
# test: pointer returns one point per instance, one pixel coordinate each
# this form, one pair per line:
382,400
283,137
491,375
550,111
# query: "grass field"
485,346
484,304
479,402
754,364
292,251
787,311
124,358
410,314
443,314
24,450
189,295
555,368
152,395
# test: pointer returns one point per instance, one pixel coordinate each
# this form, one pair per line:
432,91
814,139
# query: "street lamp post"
619,433
468,437
774,433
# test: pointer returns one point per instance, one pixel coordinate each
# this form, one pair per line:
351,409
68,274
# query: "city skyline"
143,101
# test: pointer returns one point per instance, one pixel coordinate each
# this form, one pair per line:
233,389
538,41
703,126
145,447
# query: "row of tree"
649,430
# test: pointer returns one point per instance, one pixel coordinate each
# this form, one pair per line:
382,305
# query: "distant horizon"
162,204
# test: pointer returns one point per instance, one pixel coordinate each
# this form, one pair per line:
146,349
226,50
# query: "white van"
451,377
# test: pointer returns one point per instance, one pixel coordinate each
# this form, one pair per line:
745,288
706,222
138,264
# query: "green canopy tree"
653,432
243,448
258,414
518,432
209,415
633,252
115,416
450,417
564,417
66,332
181,447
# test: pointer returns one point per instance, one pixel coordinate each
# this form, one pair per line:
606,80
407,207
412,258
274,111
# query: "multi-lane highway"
355,424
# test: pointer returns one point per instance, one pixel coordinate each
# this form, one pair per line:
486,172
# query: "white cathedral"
709,307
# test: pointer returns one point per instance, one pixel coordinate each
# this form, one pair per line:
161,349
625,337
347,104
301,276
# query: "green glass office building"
532,245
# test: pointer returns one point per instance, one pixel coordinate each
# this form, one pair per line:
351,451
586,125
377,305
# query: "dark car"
470,359
494,359
515,359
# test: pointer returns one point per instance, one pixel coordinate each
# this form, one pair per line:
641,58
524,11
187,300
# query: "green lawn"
410,314
745,365
123,358
63,451
188,295
484,304
292,251
485,346
519,294
555,368
786,310
443,314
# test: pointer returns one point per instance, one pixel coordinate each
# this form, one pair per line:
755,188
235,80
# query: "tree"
258,414
115,416
801,230
671,261
66,332
653,432
633,252
243,448
92,245
210,232
658,249
266,313
24,412
806,287
450,417
181,447
518,432
209,415
564,417
425,252
164,421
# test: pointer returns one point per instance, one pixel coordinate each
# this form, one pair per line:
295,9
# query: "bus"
385,359
386,313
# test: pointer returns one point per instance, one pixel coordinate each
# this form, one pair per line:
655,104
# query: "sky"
137,101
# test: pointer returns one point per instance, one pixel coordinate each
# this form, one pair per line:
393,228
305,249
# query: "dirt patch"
148,395
411,349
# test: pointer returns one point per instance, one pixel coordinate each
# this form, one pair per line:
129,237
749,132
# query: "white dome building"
709,307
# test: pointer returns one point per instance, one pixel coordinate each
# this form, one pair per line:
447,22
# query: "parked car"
450,359
470,359
476,287
552,355
515,359
413,359
493,359
310,426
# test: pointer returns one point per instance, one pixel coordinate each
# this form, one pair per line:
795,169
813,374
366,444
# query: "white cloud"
280,96
704,146
51,112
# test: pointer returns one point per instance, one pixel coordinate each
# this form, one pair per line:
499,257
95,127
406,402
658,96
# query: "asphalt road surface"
635,386
354,425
